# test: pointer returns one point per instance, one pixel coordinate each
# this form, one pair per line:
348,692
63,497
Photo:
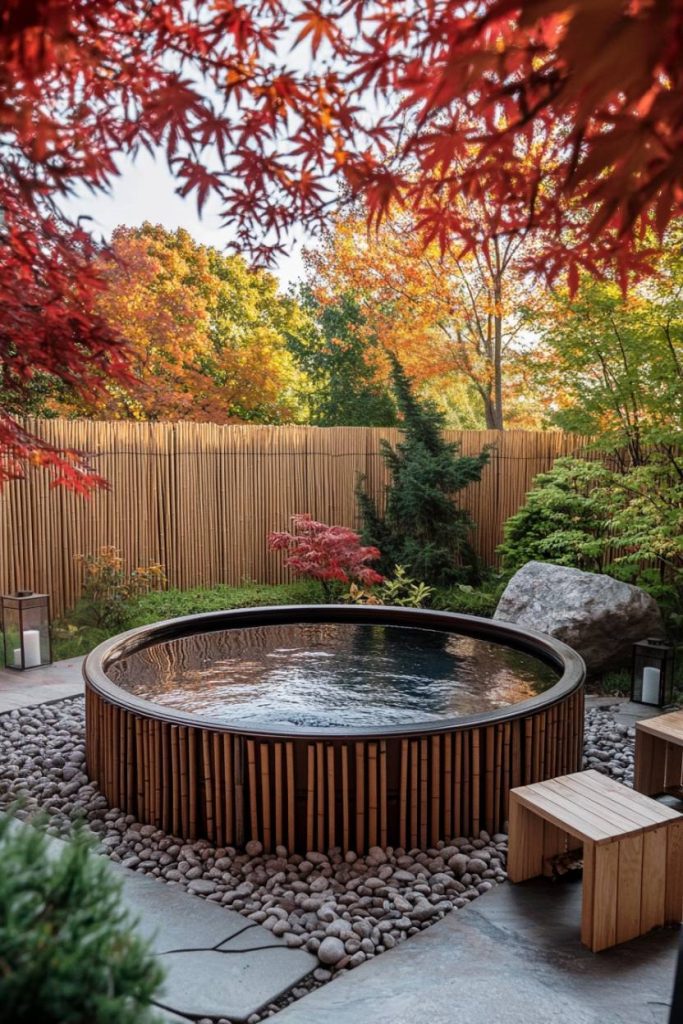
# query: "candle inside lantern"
31,648
17,658
651,685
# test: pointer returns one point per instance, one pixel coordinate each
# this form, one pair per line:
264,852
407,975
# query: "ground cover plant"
70,640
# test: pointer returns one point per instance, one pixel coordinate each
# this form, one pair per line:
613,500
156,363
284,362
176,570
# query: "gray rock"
201,887
601,618
331,950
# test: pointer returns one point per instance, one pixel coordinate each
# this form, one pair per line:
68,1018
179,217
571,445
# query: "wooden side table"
632,851
659,754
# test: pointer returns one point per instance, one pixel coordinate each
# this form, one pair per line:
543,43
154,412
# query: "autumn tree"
404,104
453,319
329,554
206,334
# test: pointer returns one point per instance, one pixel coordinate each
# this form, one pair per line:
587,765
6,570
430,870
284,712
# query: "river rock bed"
344,908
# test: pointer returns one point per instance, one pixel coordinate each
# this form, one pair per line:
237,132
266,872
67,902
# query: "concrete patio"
513,957
40,685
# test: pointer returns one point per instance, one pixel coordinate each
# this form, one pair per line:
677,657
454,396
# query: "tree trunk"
498,357
494,419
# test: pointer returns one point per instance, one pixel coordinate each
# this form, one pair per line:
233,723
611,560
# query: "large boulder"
598,616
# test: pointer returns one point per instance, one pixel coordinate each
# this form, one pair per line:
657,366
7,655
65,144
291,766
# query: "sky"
145,190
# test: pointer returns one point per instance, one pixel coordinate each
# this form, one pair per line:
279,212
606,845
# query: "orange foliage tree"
205,333
453,319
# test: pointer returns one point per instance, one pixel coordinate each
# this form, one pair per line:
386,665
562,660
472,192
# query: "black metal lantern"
26,629
653,672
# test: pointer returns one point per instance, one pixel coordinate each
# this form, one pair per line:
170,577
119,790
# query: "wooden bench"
659,754
632,851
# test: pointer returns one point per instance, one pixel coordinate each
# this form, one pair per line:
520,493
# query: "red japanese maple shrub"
326,553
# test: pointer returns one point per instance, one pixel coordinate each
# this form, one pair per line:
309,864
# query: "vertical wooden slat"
291,798
424,783
265,795
346,796
278,793
414,798
435,824
383,794
331,799
403,796
360,795
448,787
373,818
320,795
253,790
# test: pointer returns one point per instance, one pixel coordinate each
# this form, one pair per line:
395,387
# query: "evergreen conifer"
422,527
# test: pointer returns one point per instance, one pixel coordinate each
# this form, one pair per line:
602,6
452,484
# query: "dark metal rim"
541,646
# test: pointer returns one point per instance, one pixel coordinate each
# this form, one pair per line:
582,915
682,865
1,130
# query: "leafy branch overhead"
567,117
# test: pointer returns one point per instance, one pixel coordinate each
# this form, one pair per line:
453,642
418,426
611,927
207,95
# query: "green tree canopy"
343,388
614,366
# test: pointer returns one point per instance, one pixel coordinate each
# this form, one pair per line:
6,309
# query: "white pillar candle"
31,648
17,657
651,685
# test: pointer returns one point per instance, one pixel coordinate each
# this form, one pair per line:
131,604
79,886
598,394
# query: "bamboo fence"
201,498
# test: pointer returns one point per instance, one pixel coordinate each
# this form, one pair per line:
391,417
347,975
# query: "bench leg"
629,888
673,911
673,768
650,764
525,842
600,883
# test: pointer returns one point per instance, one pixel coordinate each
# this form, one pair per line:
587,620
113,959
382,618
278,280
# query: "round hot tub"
319,726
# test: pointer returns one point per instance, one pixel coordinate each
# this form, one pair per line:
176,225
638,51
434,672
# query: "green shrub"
628,524
467,600
67,951
108,588
70,640
564,519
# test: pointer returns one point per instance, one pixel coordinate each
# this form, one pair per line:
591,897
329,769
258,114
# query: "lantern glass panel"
652,679
36,632
12,637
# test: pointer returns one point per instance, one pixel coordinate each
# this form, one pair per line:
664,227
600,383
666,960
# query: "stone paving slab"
170,919
251,968
512,957
225,983
40,685
625,711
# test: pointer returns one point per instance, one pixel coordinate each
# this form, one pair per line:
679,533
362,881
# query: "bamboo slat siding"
201,498
310,794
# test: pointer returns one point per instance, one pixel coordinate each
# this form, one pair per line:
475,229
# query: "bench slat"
667,727
593,807
631,810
